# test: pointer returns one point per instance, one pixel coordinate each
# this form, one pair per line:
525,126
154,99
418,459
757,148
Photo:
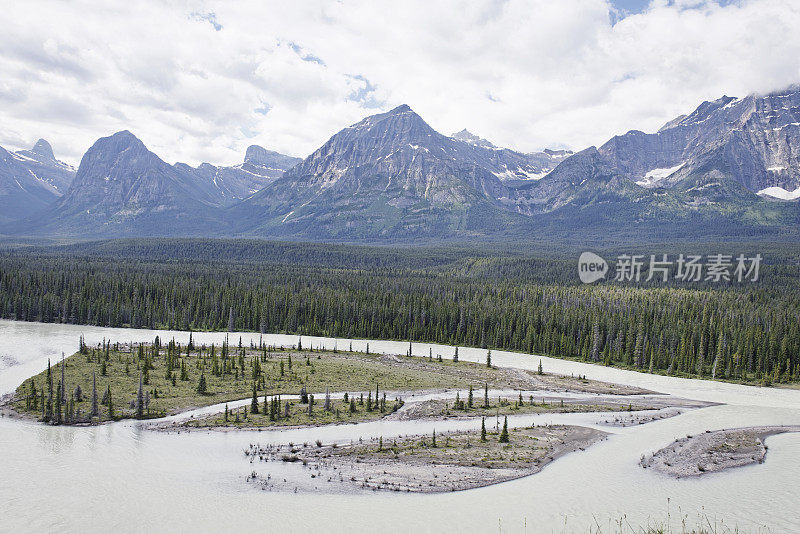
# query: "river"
124,478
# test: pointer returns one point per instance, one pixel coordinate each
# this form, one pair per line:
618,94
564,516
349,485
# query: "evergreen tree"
110,403
202,388
95,408
62,398
489,358
140,400
469,398
504,432
483,429
254,402
49,410
58,420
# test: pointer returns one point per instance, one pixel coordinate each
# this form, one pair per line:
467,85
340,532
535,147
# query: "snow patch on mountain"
780,193
654,177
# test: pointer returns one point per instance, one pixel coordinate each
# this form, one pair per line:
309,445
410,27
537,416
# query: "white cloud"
193,79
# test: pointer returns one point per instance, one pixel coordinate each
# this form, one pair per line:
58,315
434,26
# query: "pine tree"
455,356
226,413
58,420
110,403
202,388
254,403
48,416
486,395
62,398
433,440
540,371
483,429
140,400
95,407
469,398
489,358
504,432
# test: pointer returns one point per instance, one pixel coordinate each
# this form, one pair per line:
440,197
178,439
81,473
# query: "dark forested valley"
495,298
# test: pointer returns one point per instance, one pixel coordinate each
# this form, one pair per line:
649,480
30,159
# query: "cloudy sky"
202,80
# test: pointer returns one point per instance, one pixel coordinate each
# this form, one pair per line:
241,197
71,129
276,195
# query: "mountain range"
730,168
30,180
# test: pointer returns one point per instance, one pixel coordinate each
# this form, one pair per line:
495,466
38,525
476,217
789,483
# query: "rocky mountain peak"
255,154
469,137
402,108
42,148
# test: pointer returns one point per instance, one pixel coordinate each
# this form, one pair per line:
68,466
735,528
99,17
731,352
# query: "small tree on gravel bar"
504,432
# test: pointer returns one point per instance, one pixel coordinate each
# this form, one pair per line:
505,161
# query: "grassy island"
116,381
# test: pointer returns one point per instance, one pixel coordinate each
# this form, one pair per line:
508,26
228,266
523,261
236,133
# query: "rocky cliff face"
228,185
508,164
43,163
389,173
30,180
121,188
754,141
392,176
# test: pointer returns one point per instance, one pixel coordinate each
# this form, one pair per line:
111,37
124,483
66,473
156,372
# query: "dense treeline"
744,331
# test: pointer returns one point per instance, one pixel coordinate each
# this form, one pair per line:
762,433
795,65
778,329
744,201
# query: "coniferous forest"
491,298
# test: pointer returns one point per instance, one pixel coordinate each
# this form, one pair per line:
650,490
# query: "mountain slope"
260,168
388,176
706,166
30,180
123,189
509,165
754,140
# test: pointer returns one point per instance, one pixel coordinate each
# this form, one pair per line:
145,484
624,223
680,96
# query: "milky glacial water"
125,478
